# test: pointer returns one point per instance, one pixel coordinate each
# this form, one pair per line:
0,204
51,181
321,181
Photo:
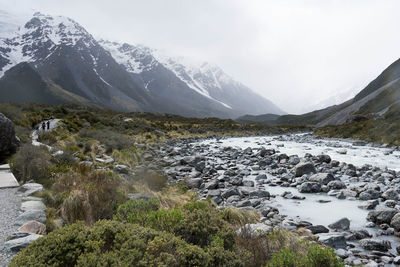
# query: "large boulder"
9,142
380,216
375,244
335,241
304,168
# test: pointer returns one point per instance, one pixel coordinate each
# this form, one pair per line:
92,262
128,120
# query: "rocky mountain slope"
374,101
64,63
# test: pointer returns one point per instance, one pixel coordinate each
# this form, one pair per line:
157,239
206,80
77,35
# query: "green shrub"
111,243
31,163
315,256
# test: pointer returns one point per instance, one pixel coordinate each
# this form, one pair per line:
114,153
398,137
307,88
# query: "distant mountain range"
54,60
374,101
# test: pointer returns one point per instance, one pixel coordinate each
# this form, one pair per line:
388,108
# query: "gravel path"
10,203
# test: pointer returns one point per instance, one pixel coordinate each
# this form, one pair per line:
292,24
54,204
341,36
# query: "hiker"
43,126
48,125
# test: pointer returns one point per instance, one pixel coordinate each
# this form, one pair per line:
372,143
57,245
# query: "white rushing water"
356,155
311,208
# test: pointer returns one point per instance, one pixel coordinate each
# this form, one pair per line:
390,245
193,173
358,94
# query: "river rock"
322,178
342,224
375,244
342,151
390,194
336,185
369,204
304,168
213,184
317,229
380,216
335,241
20,243
395,222
324,158
9,142
310,187
33,227
369,194
230,192
260,193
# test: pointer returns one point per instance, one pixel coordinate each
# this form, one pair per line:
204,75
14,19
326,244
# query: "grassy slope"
383,130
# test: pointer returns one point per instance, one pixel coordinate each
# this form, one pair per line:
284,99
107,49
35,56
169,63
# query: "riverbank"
247,172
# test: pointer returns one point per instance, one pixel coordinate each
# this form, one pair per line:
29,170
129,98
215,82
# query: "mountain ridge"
123,77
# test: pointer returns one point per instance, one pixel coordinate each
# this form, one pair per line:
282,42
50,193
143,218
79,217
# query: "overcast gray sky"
296,53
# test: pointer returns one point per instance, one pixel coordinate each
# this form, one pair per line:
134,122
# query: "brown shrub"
89,196
31,163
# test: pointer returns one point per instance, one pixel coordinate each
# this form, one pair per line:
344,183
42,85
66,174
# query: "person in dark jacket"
48,125
43,126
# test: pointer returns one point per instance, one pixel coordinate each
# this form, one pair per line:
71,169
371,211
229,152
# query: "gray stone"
335,241
369,194
375,244
324,158
380,216
260,193
214,193
322,178
310,187
369,204
213,184
317,229
391,194
342,224
336,185
20,243
304,168
395,222
230,192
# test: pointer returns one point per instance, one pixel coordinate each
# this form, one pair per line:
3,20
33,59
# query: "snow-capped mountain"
205,79
64,63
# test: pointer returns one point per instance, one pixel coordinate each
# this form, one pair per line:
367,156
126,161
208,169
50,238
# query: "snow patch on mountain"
136,59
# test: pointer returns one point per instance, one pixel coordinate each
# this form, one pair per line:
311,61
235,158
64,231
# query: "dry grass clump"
89,196
238,217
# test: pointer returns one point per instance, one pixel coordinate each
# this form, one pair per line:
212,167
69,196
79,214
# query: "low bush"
199,223
315,256
111,243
